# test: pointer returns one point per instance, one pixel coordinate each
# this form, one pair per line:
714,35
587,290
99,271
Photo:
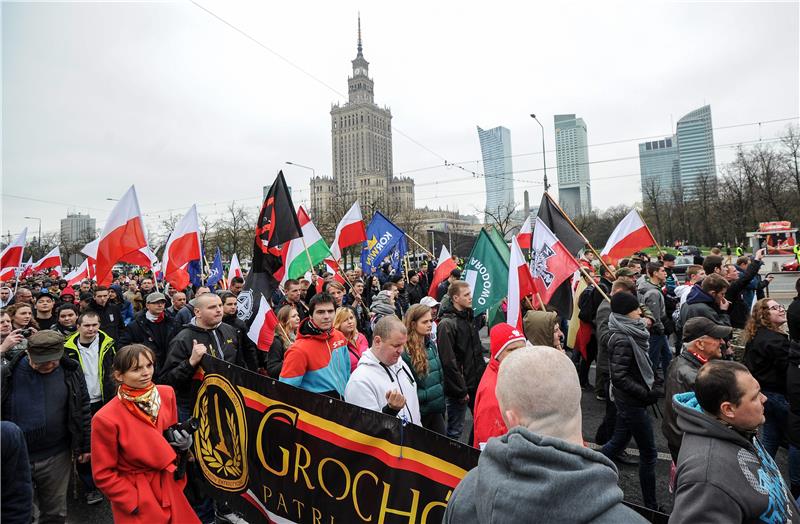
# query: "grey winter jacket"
603,335
724,475
651,296
681,376
525,477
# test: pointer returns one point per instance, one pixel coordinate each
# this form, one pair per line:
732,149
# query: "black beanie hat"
623,303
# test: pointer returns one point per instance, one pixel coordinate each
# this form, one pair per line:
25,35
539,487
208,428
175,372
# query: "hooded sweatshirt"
539,327
371,380
651,296
725,475
526,477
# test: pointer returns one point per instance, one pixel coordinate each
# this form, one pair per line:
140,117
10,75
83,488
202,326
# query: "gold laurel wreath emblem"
230,466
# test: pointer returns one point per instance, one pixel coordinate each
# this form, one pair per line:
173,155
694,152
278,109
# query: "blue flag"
384,239
215,271
397,255
195,270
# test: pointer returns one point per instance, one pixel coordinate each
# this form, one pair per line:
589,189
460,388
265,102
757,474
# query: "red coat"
133,464
488,420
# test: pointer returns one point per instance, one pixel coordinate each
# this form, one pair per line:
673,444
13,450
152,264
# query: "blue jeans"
776,419
633,421
660,352
456,413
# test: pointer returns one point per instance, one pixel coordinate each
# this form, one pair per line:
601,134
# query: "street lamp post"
313,173
544,155
40,230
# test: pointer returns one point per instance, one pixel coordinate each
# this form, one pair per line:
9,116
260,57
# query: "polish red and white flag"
262,330
11,257
123,234
520,284
182,247
630,235
445,265
551,263
82,272
349,232
525,234
50,260
235,270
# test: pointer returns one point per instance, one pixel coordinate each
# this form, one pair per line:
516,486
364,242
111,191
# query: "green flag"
486,272
500,244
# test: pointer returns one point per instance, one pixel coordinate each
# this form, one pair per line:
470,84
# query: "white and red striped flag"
262,330
520,284
82,272
182,247
551,263
50,260
630,235
350,231
235,270
123,234
445,265
525,234
11,257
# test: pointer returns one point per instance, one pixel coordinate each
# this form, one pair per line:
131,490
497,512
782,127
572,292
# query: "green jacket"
430,388
108,386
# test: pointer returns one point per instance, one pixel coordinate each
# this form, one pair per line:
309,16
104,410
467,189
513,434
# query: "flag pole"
590,280
541,302
418,244
405,263
305,248
660,251
586,240
208,266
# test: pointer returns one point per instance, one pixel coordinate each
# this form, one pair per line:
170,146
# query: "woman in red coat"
132,462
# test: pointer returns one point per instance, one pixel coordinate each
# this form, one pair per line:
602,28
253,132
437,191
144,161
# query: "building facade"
361,142
497,168
78,227
696,159
572,161
659,168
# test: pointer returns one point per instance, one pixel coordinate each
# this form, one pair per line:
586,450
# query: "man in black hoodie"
462,356
739,311
248,346
153,328
111,322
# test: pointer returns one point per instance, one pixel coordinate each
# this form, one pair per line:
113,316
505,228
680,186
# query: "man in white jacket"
382,381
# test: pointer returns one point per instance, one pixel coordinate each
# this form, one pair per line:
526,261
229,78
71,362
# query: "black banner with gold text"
280,454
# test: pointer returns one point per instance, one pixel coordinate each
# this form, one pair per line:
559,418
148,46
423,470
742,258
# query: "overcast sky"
98,96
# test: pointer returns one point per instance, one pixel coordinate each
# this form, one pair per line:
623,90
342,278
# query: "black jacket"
700,304
79,413
767,357
738,310
793,394
793,319
628,385
461,352
110,318
247,347
274,362
155,336
222,342
416,292
681,377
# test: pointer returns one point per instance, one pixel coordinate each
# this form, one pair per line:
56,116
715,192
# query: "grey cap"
701,326
156,297
45,346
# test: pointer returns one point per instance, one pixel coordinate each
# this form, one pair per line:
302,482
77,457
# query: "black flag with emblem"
277,224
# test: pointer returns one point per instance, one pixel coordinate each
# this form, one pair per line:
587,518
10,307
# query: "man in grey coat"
702,341
652,296
525,474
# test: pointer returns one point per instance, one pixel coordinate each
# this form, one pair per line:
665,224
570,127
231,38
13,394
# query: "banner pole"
405,263
660,251
596,254
541,302
418,244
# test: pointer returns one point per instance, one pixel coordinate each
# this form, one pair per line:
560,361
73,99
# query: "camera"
189,425
26,332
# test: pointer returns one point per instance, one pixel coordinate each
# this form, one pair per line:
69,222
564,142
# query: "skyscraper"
496,151
361,140
572,159
659,168
696,149
77,227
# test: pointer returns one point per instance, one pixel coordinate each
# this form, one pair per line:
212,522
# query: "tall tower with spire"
361,141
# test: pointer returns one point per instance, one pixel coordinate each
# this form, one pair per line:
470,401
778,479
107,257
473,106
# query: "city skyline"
572,164
103,97
498,170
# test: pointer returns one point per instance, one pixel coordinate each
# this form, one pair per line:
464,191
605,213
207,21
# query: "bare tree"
502,217
791,155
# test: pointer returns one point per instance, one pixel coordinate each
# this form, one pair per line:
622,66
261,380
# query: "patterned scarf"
142,403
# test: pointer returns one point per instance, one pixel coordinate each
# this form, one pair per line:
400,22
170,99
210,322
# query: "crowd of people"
89,372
